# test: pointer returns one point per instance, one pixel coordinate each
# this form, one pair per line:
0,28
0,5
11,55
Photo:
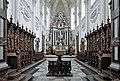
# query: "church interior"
59,40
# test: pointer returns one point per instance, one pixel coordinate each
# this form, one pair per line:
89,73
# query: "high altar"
60,35
59,67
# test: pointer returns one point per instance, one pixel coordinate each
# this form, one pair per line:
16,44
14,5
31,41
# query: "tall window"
116,4
43,9
109,10
48,18
1,4
77,15
1,36
116,21
83,9
3,16
36,9
1,27
92,1
72,18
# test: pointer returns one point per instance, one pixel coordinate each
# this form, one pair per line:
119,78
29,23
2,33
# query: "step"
90,77
104,76
20,78
12,71
27,77
13,76
97,78
68,75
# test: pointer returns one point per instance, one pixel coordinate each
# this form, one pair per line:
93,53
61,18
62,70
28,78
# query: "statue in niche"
37,44
82,46
60,36
60,40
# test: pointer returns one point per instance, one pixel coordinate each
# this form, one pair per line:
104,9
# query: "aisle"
78,74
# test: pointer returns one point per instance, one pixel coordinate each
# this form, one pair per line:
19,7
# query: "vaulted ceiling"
60,5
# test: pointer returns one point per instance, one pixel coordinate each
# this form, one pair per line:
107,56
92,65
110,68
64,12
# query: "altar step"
90,77
13,74
16,75
27,78
68,75
96,76
20,78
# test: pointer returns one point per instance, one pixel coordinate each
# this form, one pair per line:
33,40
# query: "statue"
60,46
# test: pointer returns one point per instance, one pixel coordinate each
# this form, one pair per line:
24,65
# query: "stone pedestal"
115,68
3,71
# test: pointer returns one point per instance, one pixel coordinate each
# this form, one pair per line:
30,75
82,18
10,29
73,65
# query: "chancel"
59,40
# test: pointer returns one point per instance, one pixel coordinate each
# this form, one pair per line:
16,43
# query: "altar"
59,67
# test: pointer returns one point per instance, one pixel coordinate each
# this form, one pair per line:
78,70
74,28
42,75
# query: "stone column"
115,42
13,10
75,14
108,13
87,7
41,20
54,37
17,10
66,38
79,24
102,11
45,23
33,17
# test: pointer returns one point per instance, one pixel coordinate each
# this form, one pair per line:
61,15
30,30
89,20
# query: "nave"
77,71
32,32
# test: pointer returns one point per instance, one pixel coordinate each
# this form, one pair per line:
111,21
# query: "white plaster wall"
94,16
25,15
25,12
39,22
21,11
83,30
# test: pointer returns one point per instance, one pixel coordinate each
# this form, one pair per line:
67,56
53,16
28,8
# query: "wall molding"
115,13
94,15
37,24
25,10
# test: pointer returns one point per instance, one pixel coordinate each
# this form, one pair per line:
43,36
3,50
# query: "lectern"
59,54
59,67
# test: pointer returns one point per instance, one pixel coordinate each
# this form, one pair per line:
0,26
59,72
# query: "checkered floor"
78,74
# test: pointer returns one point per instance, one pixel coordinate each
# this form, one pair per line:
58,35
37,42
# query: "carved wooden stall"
20,46
99,39
82,55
